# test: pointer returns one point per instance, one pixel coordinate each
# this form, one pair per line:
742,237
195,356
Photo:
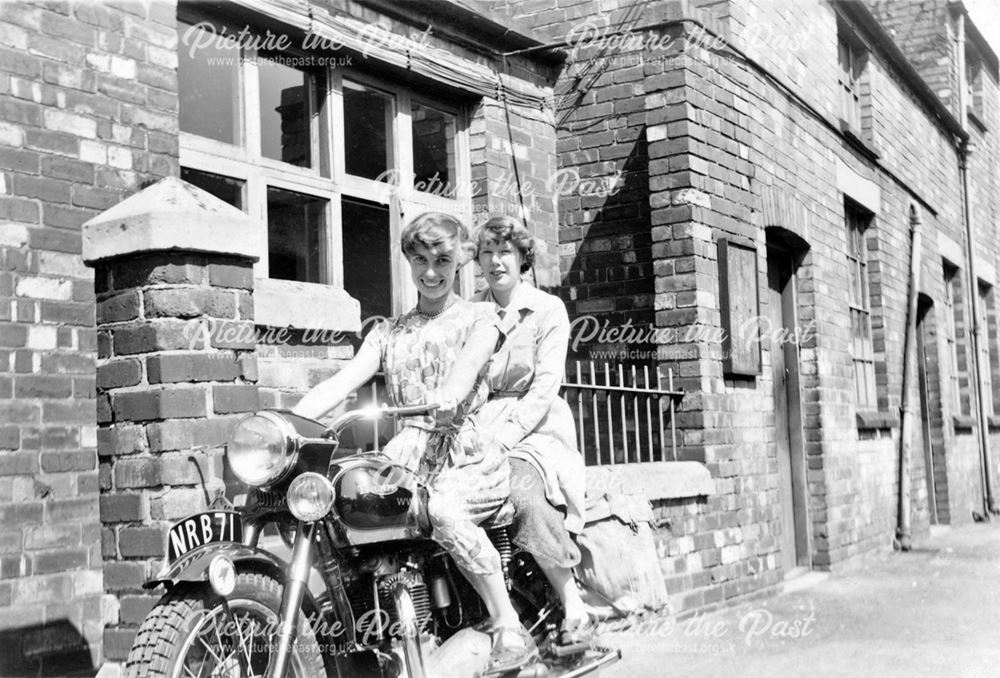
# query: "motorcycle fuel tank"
376,501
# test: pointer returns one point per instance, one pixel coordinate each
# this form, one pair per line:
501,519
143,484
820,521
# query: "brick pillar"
176,367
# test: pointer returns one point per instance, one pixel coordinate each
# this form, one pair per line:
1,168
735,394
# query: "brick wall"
87,114
719,134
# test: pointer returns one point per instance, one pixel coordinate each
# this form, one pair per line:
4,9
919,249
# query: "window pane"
284,113
433,151
296,232
226,189
367,248
366,133
208,82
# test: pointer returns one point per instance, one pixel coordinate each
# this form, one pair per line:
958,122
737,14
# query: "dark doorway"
781,333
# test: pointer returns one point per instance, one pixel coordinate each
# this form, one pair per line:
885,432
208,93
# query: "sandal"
577,632
513,649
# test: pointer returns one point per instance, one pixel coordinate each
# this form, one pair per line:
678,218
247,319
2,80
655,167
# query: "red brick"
59,561
121,440
68,169
188,303
118,373
18,464
26,514
142,472
233,334
134,608
141,541
19,160
95,197
42,386
182,435
10,437
68,412
184,469
123,508
68,312
161,335
231,398
192,366
54,239
45,189
158,269
64,461
60,437
118,642
231,275
13,336
118,308
19,209
124,575
61,216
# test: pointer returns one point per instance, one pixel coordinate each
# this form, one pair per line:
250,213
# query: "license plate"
201,529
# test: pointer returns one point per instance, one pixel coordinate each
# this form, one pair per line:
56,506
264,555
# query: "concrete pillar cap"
170,215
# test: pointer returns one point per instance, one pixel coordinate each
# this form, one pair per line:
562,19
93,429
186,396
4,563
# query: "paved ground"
932,612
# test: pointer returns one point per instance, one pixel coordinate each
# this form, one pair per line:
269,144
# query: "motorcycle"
389,602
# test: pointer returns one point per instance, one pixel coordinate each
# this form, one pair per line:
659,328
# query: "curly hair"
433,229
503,228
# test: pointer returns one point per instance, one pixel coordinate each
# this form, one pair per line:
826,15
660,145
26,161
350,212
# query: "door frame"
790,260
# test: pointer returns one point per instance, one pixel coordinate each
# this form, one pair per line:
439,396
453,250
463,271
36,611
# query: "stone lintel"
286,303
170,215
657,480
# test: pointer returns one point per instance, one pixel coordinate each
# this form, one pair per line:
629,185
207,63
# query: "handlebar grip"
410,410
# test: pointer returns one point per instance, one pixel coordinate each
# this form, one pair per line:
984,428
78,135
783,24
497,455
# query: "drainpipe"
989,505
903,532
964,151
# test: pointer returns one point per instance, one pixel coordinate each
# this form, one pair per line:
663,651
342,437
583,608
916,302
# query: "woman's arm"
326,395
549,368
469,364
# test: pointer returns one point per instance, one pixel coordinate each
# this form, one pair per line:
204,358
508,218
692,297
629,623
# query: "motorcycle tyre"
155,650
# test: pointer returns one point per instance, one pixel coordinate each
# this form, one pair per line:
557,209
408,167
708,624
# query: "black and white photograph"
499,339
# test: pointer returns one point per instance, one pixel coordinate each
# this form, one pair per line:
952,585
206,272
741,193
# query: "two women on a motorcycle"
500,428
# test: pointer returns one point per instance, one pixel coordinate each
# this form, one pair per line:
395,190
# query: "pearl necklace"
437,312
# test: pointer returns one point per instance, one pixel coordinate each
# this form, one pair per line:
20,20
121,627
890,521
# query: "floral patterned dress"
468,477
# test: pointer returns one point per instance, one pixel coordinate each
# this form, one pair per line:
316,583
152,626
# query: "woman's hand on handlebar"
447,406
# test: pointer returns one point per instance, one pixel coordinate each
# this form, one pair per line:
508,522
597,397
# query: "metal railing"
621,415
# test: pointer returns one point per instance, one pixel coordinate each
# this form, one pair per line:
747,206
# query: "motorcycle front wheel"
189,634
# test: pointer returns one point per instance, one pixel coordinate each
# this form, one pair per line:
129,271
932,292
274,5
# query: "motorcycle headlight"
310,497
260,451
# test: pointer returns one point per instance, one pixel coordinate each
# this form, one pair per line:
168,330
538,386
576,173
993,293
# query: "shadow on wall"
55,649
612,271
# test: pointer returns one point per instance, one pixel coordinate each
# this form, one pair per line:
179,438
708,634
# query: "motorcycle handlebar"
377,412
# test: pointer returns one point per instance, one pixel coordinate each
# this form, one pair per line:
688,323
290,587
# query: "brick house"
687,168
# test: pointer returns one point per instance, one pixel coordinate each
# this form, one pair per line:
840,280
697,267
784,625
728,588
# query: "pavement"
931,612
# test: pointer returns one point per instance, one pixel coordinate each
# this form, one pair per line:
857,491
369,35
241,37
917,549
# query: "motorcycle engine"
372,602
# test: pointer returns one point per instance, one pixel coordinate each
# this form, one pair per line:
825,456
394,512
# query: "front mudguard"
193,565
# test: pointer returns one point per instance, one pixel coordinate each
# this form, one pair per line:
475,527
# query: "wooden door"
794,541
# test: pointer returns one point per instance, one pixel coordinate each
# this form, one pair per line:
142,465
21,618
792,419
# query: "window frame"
853,82
857,221
988,344
954,303
326,178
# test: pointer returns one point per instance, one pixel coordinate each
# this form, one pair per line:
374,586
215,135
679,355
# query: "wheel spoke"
208,647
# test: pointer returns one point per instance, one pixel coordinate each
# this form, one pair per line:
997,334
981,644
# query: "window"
862,351
957,341
329,163
989,359
852,81
974,94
